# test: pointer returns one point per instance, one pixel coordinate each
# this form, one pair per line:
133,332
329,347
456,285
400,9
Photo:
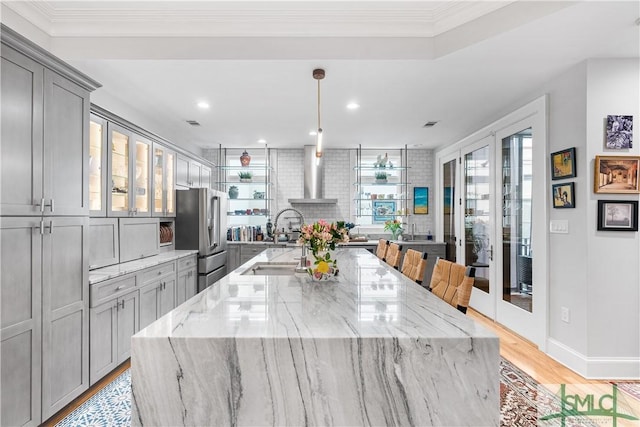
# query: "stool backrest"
413,265
453,283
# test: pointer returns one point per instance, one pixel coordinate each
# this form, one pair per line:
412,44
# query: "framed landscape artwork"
383,210
563,195
618,215
619,132
420,200
563,164
616,174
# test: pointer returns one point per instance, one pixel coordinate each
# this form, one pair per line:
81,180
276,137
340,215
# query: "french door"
494,214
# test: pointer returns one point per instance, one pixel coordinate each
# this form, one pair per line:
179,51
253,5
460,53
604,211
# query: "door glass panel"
517,179
477,214
449,182
158,180
95,166
170,190
142,177
119,172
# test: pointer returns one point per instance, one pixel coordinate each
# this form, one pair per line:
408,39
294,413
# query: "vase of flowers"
395,227
321,237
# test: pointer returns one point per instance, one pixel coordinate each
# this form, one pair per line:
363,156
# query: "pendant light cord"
319,127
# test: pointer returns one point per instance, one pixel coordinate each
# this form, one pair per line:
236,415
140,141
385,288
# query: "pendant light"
318,74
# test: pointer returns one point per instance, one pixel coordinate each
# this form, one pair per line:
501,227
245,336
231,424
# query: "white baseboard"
609,368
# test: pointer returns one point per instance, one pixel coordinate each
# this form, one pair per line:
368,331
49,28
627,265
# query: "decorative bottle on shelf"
269,228
233,192
245,159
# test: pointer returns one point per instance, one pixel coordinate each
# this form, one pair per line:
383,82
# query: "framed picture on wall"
420,200
616,174
383,210
618,215
563,164
619,132
563,195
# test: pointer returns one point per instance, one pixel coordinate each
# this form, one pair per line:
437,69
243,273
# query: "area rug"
520,398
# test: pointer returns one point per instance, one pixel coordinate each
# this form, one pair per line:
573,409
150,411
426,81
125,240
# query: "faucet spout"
275,222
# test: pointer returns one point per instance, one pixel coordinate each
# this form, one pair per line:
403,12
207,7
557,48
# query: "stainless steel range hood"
313,175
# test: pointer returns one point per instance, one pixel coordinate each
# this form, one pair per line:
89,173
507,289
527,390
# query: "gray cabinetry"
433,249
114,320
98,166
192,174
104,246
233,257
157,294
205,177
21,324
65,311
187,279
139,238
164,189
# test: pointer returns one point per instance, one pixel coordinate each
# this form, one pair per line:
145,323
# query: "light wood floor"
513,347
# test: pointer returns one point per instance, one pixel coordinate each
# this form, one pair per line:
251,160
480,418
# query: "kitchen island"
372,348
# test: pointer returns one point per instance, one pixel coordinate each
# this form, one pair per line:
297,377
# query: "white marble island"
372,348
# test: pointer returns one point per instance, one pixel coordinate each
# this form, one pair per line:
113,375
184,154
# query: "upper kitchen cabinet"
130,171
248,185
381,187
164,189
97,166
44,138
192,174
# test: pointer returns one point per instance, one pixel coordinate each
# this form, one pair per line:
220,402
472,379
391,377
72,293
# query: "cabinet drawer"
104,291
249,251
187,263
153,273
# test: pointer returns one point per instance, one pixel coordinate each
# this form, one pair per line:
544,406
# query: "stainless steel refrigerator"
201,223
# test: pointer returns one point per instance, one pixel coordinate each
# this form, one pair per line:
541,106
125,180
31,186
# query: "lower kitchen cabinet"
113,323
157,296
187,284
233,256
45,316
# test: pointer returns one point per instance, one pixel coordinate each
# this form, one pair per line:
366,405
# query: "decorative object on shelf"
619,132
563,195
383,210
381,162
258,195
563,164
245,159
381,177
420,200
322,237
318,74
616,174
245,176
269,227
395,227
233,192
618,215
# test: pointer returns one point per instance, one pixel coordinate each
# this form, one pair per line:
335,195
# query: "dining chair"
394,253
381,249
414,264
453,283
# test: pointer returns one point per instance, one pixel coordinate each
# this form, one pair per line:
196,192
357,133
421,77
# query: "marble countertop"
370,242
368,299
109,272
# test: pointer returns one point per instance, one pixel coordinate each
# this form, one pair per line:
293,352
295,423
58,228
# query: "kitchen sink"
271,269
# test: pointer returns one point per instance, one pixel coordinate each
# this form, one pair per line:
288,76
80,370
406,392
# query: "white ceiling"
462,64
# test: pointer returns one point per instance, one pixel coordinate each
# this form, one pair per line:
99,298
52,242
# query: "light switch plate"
559,226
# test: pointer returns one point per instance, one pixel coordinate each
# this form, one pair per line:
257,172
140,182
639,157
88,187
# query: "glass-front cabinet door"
97,166
163,182
129,169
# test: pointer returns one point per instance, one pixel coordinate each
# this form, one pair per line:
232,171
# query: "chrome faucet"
303,257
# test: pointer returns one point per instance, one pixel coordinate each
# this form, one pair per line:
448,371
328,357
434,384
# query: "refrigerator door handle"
215,211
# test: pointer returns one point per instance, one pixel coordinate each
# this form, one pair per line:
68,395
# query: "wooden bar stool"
394,253
414,264
453,283
381,249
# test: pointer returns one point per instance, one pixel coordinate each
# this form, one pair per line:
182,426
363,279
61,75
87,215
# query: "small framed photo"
563,164
563,195
383,211
420,200
618,215
619,132
616,174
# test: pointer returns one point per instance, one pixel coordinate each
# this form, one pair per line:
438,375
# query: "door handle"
490,250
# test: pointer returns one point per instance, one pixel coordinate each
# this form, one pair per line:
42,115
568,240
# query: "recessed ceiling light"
353,106
204,105
313,133
262,141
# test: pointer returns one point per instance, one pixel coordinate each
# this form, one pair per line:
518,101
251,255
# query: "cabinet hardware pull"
41,205
52,206
120,287
159,273
50,227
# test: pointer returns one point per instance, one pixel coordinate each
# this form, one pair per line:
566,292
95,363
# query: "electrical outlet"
564,314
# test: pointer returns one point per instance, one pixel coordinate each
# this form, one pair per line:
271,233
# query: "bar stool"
414,264
453,283
381,249
394,253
